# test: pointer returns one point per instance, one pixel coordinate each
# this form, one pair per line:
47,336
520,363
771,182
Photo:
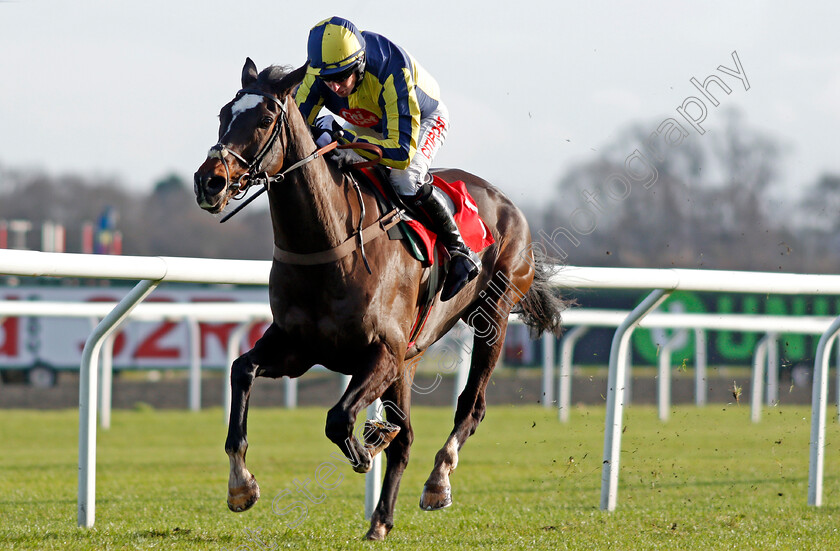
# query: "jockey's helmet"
336,49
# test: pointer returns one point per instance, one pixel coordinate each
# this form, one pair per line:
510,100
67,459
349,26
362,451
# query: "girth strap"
376,229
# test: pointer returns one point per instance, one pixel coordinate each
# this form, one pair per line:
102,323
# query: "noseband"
254,172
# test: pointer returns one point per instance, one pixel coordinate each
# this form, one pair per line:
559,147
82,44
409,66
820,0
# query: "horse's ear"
249,73
285,84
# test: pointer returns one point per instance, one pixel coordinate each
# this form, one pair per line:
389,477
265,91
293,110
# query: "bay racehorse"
336,313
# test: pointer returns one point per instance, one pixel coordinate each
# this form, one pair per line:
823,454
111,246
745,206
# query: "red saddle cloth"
474,230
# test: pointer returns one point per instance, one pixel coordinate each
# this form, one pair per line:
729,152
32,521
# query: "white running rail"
151,271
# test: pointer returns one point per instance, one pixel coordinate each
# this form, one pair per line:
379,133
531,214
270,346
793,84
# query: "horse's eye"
265,122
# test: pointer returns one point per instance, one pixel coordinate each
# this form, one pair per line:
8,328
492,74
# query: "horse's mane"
281,77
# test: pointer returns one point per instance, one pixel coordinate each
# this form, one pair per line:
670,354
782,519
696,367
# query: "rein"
266,180
255,175
361,236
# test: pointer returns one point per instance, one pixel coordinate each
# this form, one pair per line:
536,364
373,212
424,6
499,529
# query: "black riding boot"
464,265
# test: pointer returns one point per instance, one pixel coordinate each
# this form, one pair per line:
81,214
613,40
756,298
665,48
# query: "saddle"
421,241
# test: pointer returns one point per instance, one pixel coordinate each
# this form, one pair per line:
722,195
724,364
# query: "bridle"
254,173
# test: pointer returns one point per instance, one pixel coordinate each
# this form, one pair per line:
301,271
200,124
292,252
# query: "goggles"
340,76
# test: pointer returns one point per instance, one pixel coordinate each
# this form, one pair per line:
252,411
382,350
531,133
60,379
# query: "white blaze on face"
246,102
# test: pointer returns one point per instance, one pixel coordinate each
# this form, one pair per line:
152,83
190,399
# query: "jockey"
389,100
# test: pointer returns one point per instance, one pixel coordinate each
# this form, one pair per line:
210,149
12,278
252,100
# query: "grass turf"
707,479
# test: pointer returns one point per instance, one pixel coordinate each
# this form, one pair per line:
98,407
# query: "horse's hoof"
435,497
243,497
364,465
378,434
363,461
377,533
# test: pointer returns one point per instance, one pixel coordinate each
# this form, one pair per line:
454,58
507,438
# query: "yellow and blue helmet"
336,48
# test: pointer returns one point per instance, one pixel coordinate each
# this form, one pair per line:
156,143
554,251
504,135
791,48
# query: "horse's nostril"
215,185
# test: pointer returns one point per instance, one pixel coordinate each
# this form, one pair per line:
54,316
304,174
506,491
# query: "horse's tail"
541,306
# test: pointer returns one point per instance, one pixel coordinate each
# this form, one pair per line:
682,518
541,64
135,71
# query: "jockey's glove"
322,140
345,158
324,130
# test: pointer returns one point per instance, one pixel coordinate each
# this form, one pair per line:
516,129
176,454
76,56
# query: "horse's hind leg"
487,346
396,403
243,490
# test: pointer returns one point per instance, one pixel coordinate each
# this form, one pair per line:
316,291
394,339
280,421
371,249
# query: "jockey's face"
343,88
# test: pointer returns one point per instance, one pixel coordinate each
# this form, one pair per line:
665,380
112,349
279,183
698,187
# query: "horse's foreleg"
271,357
243,490
396,403
377,369
437,492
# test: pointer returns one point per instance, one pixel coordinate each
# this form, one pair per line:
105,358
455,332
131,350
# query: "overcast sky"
132,89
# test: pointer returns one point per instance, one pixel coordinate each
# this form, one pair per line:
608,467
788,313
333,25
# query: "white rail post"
106,385
290,393
700,387
564,381
759,361
548,343
462,370
86,508
819,397
772,368
628,374
837,368
664,374
373,478
233,346
615,396
194,387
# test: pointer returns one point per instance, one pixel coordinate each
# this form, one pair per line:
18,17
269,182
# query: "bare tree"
166,222
703,203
